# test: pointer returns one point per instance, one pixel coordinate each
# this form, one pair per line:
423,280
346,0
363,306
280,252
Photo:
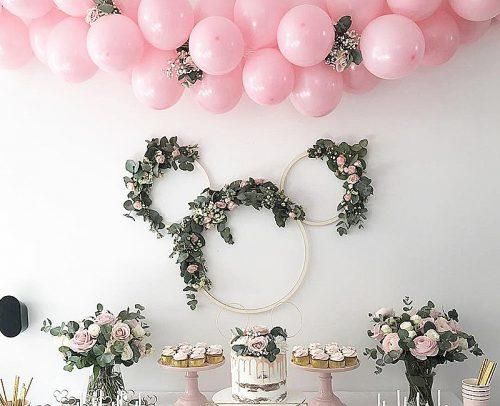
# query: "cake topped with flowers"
184,355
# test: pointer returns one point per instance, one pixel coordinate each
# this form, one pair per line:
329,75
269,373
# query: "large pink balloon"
219,94
393,46
361,11
268,78
129,8
115,43
40,30
471,31
442,38
476,10
67,54
358,80
258,21
75,8
417,10
166,24
28,8
210,8
305,35
317,91
15,48
216,45
150,83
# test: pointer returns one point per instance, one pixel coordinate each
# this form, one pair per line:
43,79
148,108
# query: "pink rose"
292,215
259,181
377,333
454,345
192,268
358,164
176,153
391,343
130,186
351,170
424,347
220,205
257,344
423,321
120,331
194,238
82,341
243,183
137,205
260,330
160,158
341,160
347,197
105,318
455,326
232,205
436,313
353,179
442,325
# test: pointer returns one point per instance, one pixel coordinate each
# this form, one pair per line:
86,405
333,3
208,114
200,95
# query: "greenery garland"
210,211
348,164
161,155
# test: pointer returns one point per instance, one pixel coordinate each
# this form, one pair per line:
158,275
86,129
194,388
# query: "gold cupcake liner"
166,360
319,363
302,361
351,361
197,362
336,364
215,359
180,363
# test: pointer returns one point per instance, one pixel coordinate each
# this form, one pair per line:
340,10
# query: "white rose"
138,331
406,326
463,344
386,329
385,312
94,329
412,334
433,335
416,319
127,353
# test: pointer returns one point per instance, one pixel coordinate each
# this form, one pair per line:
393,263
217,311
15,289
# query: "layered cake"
259,365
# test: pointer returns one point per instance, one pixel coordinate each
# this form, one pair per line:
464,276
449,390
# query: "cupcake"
186,348
201,345
332,348
337,360
295,349
167,355
351,356
197,359
215,354
320,360
301,357
314,352
180,360
315,346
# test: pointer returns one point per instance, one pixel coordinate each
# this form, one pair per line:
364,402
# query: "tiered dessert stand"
326,396
192,395
225,396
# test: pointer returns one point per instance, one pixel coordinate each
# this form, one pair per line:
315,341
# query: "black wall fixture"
13,316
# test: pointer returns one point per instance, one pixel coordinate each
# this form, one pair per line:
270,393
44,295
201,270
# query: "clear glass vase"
106,382
420,377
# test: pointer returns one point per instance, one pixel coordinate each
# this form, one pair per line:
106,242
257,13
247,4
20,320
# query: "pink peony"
232,205
341,160
82,341
257,344
352,179
192,268
137,205
377,333
160,158
442,325
176,153
351,170
391,343
120,331
424,347
220,205
105,318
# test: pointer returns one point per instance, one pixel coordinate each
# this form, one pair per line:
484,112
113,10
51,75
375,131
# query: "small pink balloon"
361,11
67,54
305,35
219,94
40,30
129,8
211,8
29,9
166,24
150,83
268,78
15,50
476,10
115,43
317,91
358,80
216,45
258,21
75,8
417,10
442,38
392,46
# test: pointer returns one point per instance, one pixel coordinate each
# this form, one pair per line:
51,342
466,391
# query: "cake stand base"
225,396
326,397
192,396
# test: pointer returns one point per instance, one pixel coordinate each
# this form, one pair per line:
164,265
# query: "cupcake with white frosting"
201,345
214,354
337,360
332,348
351,356
167,355
320,360
186,348
180,360
301,357
197,359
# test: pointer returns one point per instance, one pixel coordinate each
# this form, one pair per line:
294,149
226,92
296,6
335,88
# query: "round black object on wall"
13,316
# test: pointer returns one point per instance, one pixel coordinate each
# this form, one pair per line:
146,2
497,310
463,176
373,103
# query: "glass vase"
106,382
420,377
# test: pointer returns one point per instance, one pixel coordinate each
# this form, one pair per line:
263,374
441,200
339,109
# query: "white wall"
432,231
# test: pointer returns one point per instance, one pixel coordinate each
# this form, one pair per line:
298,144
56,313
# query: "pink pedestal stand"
192,396
325,396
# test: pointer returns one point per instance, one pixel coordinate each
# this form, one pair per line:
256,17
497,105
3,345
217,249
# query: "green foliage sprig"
345,50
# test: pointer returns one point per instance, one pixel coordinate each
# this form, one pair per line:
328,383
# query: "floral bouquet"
423,340
103,342
259,342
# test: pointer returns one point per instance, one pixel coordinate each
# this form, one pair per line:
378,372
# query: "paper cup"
473,394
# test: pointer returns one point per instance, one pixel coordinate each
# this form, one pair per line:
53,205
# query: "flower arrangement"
422,339
259,341
348,164
345,50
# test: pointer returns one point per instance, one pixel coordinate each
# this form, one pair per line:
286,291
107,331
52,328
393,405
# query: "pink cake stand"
325,396
192,396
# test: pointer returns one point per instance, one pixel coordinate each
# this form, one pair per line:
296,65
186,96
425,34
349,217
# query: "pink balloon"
75,8
115,43
318,3
476,10
28,8
442,38
15,50
219,94
305,35
166,24
417,10
358,80
216,45
392,46
150,83
471,31
67,54
258,21
210,8
317,91
268,78
361,11
40,30
129,8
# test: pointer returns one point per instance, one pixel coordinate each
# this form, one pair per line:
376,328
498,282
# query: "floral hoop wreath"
348,164
210,211
161,155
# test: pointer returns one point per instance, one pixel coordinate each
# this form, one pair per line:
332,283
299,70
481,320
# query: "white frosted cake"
259,365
